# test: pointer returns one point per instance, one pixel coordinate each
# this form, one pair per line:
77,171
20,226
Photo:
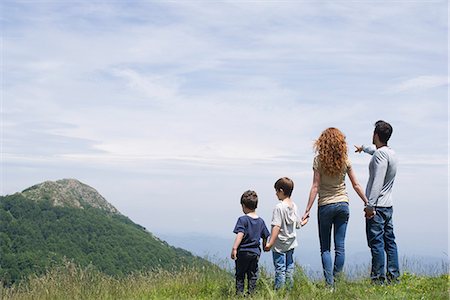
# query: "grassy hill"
71,282
50,224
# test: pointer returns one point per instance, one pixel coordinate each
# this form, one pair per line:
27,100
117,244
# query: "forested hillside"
36,235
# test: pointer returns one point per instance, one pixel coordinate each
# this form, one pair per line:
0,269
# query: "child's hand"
267,248
233,254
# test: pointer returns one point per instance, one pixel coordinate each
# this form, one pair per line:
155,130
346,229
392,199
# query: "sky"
172,109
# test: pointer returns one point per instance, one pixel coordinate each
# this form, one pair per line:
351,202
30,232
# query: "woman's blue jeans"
284,268
333,217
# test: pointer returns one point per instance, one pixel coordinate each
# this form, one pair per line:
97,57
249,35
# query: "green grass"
71,282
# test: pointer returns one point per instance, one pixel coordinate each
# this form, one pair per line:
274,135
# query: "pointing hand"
359,149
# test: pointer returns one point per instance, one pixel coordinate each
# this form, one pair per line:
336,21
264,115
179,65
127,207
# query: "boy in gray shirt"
283,239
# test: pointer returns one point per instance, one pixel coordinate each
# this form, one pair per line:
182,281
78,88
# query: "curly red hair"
331,149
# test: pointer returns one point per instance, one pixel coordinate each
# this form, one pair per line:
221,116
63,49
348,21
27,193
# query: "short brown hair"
249,199
286,184
384,131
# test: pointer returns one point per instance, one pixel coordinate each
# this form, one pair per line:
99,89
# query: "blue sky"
172,109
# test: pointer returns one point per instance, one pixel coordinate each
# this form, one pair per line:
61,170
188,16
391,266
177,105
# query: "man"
379,226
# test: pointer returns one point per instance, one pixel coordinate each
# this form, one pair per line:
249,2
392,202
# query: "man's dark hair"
249,199
286,184
383,130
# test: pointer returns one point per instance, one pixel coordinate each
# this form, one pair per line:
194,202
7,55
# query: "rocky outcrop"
69,192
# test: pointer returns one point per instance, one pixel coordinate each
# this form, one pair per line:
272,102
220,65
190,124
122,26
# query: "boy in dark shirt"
246,250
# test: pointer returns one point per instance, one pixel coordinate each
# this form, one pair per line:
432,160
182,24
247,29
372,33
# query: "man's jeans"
381,239
284,268
333,216
246,264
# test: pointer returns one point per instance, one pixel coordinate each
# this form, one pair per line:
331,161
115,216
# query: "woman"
330,166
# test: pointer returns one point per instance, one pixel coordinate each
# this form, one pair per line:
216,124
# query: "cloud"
421,83
151,87
46,140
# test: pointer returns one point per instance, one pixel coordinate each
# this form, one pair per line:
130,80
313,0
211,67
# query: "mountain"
51,223
70,193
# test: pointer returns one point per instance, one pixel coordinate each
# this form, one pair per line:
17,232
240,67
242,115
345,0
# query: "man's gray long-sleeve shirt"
382,170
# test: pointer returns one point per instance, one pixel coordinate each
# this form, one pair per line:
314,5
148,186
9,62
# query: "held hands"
369,212
267,247
305,219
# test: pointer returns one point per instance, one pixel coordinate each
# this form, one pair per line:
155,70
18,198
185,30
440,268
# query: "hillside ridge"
51,223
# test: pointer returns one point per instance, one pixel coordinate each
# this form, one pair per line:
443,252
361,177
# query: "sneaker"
393,280
378,281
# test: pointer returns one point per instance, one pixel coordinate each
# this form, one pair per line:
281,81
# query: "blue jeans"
333,216
381,239
284,268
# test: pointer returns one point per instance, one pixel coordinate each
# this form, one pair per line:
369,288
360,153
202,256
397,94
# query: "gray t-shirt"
287,218
382,171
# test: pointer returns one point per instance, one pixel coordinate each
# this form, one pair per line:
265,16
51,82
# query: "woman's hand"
304,221
305,217
369,212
